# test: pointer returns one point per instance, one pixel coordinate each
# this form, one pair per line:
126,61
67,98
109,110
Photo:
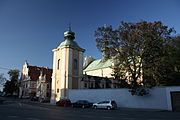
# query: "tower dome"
69,35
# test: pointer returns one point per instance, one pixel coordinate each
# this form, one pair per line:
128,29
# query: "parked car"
34,98
63,102
110,104
82,103
44,100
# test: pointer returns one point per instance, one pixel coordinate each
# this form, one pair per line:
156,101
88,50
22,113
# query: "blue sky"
30,29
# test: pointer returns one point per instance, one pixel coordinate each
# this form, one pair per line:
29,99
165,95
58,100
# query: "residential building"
29,78
43,89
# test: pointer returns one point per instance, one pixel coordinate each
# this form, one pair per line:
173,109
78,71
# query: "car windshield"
103,102
113,102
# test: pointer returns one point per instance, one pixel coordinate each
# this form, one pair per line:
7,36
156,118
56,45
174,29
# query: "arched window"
58,65
75,64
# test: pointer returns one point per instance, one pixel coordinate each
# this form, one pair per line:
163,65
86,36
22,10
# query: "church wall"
105,72
62,72
58,74
159,97
69,68
80,68
53,84
75,72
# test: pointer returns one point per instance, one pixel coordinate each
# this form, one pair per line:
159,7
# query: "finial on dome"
69,28
69,35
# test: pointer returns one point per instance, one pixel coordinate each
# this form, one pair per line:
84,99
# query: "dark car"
82,104
34,98
63,102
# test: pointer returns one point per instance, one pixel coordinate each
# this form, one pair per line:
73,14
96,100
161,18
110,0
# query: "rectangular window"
75,64
58,65
85,85
91,85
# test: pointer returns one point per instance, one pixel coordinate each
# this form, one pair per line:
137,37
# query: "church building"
71,72
67,67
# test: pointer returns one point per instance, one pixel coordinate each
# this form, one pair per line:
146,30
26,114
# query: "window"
85,85
75,64
47,86
58,65
47,94
57,90
92,85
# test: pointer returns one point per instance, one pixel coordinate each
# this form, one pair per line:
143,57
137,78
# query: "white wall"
159,97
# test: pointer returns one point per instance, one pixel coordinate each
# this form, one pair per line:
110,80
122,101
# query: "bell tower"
67,67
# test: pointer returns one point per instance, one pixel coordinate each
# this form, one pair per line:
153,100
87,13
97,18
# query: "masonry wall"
159,97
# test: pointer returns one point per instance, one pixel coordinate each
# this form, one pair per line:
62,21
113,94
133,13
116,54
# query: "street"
20,110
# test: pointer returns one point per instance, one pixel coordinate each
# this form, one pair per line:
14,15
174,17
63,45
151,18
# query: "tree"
2,80
12,86
174,61
140,49
176,56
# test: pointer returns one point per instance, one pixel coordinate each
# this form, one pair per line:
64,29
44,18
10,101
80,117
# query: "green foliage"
12,86
175,59
142,49
2,79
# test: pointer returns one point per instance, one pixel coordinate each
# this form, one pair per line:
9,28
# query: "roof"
48,73
98,64
70,43
34,72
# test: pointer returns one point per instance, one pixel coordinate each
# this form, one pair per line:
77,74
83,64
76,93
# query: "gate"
175,100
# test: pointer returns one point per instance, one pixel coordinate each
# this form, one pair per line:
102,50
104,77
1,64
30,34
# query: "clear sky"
30,29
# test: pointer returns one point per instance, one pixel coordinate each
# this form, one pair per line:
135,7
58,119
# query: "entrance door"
175,99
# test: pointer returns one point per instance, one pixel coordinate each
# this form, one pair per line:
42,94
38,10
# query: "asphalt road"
20,110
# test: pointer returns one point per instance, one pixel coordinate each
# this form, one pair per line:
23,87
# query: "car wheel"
108,107
95,107
83,106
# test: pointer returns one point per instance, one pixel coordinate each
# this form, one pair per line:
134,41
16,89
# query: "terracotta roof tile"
34,72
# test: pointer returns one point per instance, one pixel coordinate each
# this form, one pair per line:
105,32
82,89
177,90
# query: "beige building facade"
67,67
43,89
